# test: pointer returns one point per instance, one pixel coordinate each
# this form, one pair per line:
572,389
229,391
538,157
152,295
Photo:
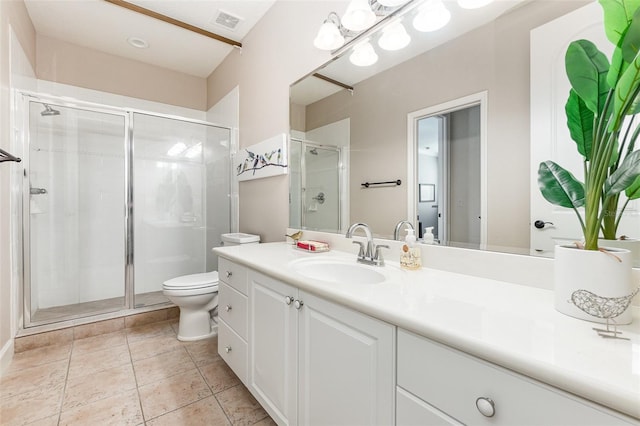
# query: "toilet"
197,295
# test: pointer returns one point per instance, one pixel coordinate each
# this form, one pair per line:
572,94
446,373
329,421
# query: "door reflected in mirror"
448,157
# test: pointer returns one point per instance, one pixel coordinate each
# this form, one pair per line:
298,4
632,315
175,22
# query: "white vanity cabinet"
313,362
233,316
442,386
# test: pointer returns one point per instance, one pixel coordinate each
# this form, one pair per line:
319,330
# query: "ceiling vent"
227,20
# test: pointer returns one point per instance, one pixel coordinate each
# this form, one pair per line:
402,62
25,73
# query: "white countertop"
514,326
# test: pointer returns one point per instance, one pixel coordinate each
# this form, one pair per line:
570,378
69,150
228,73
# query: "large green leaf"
630,42
617,16
625,92
624,176
580,123
617,68
633,191
587,69
559,186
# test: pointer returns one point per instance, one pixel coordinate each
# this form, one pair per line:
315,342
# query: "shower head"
48,111
313,151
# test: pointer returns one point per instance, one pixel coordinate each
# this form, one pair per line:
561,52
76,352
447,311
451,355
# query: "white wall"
13,18
277,51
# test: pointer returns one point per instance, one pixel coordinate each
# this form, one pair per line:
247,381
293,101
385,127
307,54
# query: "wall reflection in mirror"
483,198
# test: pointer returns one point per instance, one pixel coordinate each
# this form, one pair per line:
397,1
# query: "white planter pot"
593,271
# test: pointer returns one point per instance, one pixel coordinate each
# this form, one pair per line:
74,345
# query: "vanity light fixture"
394,37
363,54
431,16
358,16
473,4
330,36
138,42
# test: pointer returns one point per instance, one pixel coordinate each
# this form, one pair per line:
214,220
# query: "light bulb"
394,37
329,37
363,55
473,4
432,16
358,16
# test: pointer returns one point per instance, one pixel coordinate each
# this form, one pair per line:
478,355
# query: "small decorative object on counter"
410,257
295,236
313,246
428,236
603,307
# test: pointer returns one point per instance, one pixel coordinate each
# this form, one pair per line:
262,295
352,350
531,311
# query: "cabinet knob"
228,274
298,304
486,406
288,300
228,308
227,349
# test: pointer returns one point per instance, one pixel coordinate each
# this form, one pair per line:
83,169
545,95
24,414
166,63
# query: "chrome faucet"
371,254
396,232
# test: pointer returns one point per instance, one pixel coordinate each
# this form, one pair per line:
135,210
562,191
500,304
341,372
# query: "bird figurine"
295,236
607,308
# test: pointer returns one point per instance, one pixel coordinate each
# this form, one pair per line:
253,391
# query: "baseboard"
6,355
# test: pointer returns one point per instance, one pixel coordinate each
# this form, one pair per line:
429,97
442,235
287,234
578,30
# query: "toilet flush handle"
228,308
229,273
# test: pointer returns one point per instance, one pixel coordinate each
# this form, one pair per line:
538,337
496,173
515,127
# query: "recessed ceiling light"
138,42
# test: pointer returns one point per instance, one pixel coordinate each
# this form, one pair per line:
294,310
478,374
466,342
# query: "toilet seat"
206,280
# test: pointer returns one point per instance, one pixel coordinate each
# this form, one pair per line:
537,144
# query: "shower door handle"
37,191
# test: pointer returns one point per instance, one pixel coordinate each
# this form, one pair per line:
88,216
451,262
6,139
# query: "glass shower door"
181,198
74,204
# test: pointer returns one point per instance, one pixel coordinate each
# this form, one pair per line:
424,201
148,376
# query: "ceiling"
106,27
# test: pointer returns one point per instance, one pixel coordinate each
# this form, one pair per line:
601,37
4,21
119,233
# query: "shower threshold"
84,309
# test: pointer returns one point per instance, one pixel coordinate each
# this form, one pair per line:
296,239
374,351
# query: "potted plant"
602,106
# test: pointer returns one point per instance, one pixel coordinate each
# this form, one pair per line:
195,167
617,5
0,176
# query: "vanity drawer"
233,350
233,274
232,308
453,381
412,411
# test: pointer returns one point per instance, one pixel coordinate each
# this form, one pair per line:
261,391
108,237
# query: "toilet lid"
206,279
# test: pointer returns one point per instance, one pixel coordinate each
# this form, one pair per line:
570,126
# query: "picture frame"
427,192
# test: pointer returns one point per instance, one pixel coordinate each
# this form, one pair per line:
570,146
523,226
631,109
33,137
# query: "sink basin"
338,271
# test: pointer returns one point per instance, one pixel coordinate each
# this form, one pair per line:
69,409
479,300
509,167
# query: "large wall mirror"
364,126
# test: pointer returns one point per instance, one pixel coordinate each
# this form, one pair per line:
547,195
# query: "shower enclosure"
114,203
315,179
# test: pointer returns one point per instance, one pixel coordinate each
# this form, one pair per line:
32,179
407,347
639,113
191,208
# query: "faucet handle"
361,251
378,259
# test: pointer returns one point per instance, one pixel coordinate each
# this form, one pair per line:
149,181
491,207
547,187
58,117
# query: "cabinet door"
346,366
273,343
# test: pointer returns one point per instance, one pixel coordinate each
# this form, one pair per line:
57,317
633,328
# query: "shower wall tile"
98,328
56,337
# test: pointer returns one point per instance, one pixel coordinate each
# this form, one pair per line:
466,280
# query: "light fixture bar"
169,20
332,81
402,10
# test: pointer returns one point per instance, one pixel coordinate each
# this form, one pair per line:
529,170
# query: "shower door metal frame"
27,99
128,152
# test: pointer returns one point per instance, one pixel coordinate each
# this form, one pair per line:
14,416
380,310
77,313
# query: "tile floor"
136,376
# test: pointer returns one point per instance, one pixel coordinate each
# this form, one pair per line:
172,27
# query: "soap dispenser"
428,236
410,257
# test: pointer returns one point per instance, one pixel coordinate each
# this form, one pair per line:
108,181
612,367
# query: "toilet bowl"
197,295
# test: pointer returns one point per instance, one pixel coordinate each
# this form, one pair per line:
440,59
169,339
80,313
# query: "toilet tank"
238,238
